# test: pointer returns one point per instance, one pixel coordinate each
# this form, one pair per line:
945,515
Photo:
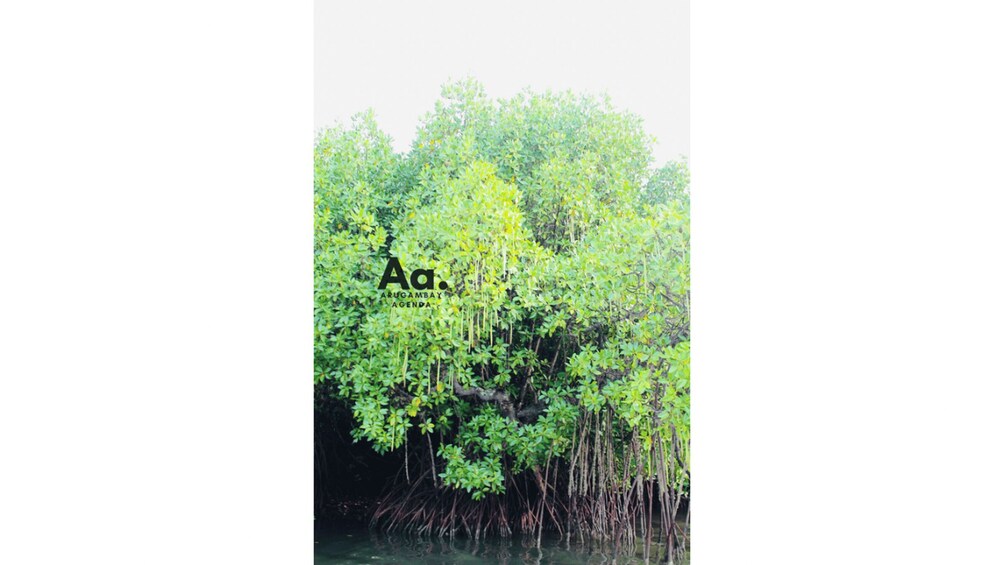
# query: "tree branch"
503,400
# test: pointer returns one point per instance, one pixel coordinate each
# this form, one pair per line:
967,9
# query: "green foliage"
567,260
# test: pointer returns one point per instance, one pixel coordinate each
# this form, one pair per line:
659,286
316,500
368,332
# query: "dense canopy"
559,349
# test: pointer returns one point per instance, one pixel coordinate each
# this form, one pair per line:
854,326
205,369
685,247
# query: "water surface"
355,544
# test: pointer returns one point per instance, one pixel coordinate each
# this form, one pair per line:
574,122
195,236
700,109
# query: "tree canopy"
566,256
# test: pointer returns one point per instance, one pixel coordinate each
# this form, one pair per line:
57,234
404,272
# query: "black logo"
421,279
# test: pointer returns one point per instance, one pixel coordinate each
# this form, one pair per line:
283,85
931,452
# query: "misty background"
394,56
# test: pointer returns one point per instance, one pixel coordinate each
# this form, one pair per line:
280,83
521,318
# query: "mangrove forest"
502,325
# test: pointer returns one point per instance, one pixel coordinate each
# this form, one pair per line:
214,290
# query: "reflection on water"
355,544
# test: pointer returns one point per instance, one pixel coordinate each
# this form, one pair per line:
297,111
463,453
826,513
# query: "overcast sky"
393,56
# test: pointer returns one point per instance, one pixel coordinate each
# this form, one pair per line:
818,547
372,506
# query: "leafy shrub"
566,256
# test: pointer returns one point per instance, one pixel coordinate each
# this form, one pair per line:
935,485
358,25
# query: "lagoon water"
355,544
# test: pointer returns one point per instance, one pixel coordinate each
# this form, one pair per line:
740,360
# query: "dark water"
351,544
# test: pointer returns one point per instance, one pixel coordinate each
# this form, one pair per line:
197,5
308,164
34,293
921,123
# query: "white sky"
393,56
